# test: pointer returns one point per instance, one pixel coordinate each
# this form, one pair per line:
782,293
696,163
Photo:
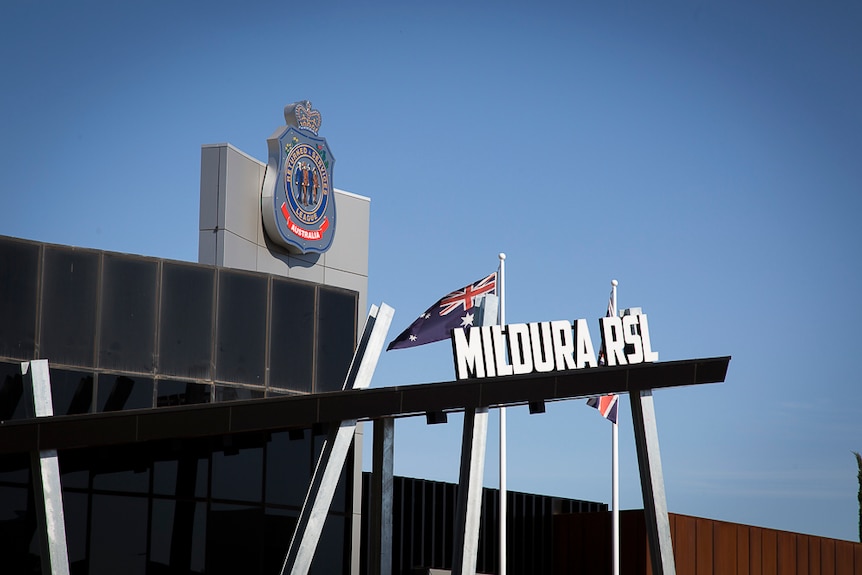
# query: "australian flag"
454,310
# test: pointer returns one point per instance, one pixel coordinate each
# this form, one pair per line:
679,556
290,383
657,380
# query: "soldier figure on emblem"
297,182
316,186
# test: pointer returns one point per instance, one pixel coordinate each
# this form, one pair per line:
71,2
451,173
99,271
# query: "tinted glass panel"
336,334
18,518
185,338
75,468
14,403
227,393
177,536
128,314
291,354
125,468
241,328
69,289
237,469
71,391
288,467
76,514
234,539
19,271
279,526
181,393
184,471
332,537
118,535
117,393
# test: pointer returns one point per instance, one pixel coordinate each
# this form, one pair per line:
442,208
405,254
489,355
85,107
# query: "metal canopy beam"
652,483
324,481
73,431
46,475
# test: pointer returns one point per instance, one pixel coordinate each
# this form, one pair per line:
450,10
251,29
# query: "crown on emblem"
303,116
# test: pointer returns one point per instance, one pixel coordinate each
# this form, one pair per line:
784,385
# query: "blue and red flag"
451,311
607,406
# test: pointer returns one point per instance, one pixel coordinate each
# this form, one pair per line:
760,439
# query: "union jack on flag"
607,406
451,311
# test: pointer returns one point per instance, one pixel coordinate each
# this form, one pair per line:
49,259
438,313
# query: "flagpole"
615,470
503,493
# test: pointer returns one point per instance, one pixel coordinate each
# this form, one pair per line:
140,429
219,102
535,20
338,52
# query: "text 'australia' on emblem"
297,200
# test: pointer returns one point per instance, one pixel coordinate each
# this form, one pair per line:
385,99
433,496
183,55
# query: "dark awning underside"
303,411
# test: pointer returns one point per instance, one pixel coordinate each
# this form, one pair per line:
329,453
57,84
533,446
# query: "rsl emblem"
298,206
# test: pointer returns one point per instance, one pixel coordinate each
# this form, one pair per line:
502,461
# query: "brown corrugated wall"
582,546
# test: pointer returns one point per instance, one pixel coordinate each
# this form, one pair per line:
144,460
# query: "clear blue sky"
708,155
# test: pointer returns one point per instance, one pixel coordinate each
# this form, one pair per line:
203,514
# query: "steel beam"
46,476
468,510
382,477
652,483
330,464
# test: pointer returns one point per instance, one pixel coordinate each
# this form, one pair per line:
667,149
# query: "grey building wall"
232,235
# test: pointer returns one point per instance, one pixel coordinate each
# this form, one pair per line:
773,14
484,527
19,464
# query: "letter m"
467,352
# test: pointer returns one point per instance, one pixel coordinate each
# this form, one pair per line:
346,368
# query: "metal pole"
503,490
615,470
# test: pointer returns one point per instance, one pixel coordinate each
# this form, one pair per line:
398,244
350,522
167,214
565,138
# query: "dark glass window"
15,469
332,537
14,403
124,468
339,498
182,470
279,525
76,514
117,393
228,393
18,523
181,393
241,339
336,337
69,288
237,468
19,288
234,539
177,536
186,334
75,468
71,391
128,314
118,535
19,528
288,467
291,353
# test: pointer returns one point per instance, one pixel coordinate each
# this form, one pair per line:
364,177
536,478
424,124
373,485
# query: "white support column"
46,476
329,466
382,478
652,483
468,511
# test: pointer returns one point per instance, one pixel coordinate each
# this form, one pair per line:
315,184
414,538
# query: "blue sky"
704,154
